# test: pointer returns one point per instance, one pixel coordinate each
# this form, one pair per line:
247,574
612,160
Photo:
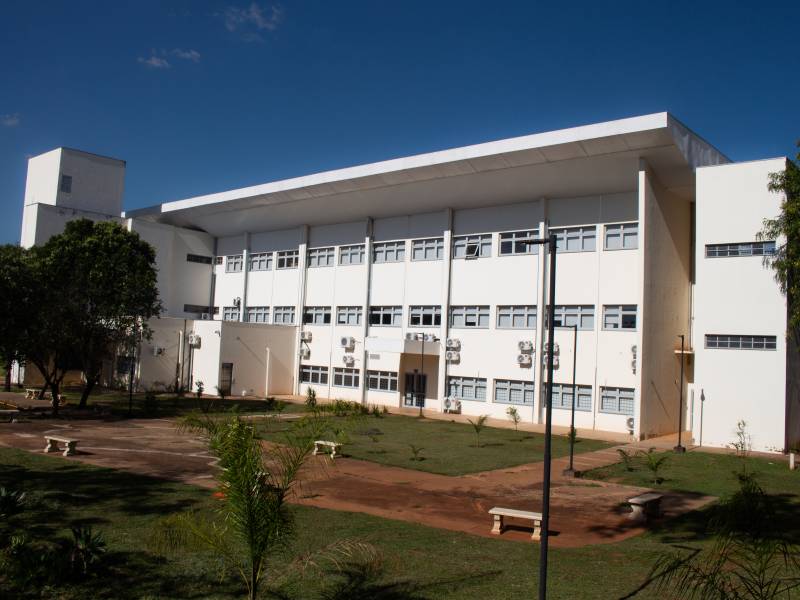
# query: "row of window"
621,236
478,317
740,249
385,381
742,342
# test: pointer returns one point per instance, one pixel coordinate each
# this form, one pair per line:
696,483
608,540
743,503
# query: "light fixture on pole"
680,448
570,471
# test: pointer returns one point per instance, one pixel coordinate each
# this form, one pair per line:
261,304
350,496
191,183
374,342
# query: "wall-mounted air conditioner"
347,342
453,343
305,353
205,317
194,340
524,360
349,360
452,405
411,337
305,336
525,346
630,424
452,356
429,338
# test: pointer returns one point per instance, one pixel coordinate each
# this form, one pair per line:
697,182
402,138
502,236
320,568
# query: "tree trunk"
54,402
87,389
7,385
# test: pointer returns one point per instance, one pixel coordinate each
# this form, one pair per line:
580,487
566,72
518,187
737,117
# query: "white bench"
500,513
31,394
644,506
334,446
53,441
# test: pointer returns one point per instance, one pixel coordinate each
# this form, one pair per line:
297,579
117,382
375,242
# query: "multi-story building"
410,281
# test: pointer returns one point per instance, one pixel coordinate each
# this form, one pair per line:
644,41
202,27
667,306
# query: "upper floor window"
348,315
283,315
321,257
562,396
617,401
260,261
344,377
390,316
197,258
571,315
351,255
257,314
230,313
66,184
467,388
507,391
469,316
619,317
425,316
622,236
288,259
742,342
385,252
575,239
472,246
314,374
516,317
233,263
428,249
743,249
217,260
513,242
317,315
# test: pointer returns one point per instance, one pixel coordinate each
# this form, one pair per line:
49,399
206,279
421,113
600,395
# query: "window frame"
736,249
390,377
475,383
395,315
516,248
565,234
560,390
466,312
65,184
259,261
615,394
351,250
230,313
395,248
257,311
421,311
624,231
234,263
482,240
619,312
726,341
525,388
434,244
583,310
345,374
320,372
280,312
514,311
347,312
322,257
290,259
319,315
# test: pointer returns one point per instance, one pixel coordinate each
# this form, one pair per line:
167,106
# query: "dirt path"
582,511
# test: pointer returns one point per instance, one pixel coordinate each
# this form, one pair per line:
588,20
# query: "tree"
785,228
105,277
16,305
478,425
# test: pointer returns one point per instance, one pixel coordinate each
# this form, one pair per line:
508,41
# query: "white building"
330,277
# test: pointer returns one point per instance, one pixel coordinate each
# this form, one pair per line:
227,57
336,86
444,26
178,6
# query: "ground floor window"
507,391
343,377
383,381
562,396
467,388
617,401
312,374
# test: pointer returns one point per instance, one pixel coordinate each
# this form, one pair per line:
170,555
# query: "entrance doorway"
226,379
416,384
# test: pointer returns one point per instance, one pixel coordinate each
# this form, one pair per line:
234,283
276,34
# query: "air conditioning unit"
237,302
305,336
411,337
429,338
525,346
349,360
452,356
157,351
524,360
555,360
205,317
453,343
452,405
194,340
556,349
630,423
305,353
347,341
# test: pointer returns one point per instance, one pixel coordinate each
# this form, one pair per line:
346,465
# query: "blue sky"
201,96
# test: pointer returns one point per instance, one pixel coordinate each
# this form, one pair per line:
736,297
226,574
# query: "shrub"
199,387
11,502
654,462
311,397
416,452
478,425
627,459
513,414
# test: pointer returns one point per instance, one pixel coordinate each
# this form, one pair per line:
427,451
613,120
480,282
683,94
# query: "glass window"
288,259
385,252
469,316
429,249
618,401
622,236
66,184
571,315
388,316
233,263
513,392
467,388
321,257
425,316
314,374
619,317
343,377
351,255
516,317
740,249
317,315
511,242
383,381
562,396
472,246
230,313
283,315
742,342
258,314
196,258
348,315
260,261
575,239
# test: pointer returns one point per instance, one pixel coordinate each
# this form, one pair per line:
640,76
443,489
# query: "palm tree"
477,425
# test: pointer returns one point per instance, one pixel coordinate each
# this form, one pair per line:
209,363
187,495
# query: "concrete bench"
334,446
500,513
53,441
31,394
9,414
644,506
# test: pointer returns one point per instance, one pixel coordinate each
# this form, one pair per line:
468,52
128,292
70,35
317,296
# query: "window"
317,315
516,317
386,315
469,316
424,316
618,401
619,317
622,236
472,246
348,315
510,243
467,388
233,263
312,374
742,342
575,239
230,313
283,315
287,259
196,258
562,396
513,392
385,252
217,260
743,249
260,261
125,364
383,381
567,316
321,257
258,314
343,377
196,308
66,184
430,249
351,255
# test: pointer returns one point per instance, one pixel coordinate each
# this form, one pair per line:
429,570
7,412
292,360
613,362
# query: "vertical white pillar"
246,274
441,387
541,311
365,308
301,300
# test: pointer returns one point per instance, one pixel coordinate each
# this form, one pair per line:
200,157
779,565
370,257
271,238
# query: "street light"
679,448
570,471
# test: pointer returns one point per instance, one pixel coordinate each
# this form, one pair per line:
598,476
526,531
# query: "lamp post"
679,448
421,401
570,471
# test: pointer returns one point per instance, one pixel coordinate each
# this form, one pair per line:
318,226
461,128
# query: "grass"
449,448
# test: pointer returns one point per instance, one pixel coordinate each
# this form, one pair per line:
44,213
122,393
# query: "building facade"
411,282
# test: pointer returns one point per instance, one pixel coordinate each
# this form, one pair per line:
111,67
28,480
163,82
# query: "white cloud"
192,55
159,59
9,120
154,62
254,17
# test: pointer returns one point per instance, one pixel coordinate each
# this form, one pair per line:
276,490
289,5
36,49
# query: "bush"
11,502
311,397
199,387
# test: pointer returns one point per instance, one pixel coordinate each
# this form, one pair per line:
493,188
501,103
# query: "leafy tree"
786,229
17,304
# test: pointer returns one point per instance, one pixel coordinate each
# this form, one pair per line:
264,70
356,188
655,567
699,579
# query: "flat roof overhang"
602,158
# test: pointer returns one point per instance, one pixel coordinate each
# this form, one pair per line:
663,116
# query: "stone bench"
335,447
644,506
53,441
500,513
9,414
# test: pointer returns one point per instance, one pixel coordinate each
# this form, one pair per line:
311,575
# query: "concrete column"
246,272
441,390
541,311
298,309
365,309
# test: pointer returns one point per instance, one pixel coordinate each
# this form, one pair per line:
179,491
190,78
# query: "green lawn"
448,448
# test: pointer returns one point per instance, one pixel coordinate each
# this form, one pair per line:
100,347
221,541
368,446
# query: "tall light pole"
570,471
679,448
